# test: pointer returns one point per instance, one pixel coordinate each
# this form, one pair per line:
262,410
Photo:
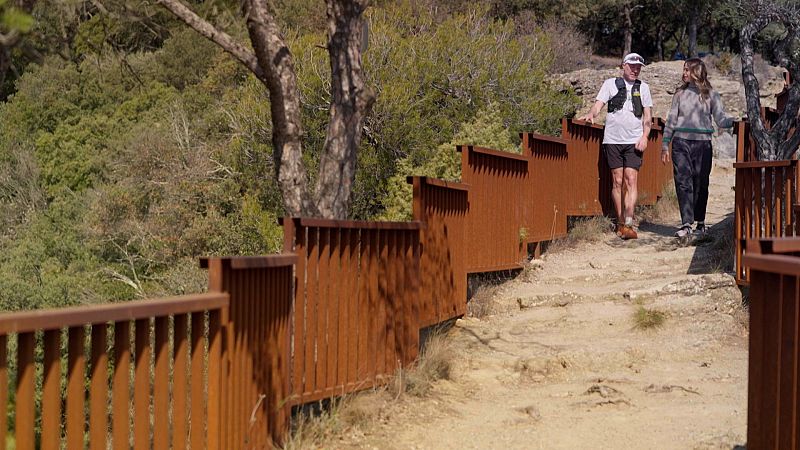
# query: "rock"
724,145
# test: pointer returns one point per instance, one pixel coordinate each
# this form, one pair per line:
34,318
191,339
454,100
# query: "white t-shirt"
622,127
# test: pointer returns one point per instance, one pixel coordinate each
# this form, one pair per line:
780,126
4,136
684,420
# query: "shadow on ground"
657,228
715,251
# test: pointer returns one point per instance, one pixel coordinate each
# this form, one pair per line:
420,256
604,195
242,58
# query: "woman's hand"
665,157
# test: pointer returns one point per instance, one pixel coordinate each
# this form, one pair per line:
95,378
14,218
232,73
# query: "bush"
570,48
487,130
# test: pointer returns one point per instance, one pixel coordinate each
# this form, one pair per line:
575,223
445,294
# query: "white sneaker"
684,231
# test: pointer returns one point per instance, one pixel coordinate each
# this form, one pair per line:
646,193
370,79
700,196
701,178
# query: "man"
625,138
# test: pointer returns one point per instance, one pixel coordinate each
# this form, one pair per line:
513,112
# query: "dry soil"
560,363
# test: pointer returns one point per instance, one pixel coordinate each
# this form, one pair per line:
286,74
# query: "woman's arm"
718,111
672,119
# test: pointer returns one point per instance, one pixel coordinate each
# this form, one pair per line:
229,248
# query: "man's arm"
646,122
595,110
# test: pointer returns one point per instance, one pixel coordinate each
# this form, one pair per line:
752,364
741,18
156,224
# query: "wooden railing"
356,314
341,311
549,160
773,400
133,348
255,397
499,209
766,192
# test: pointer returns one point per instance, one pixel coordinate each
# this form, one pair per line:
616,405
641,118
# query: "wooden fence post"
254,378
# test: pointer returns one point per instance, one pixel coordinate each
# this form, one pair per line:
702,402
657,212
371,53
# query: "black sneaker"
700,228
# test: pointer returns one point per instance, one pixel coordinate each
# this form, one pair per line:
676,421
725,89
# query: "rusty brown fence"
766,193
256,359
591,180
773,399
591,194
499,211
355,317
197,371
132,349
745,144
549,160
442,206
341,311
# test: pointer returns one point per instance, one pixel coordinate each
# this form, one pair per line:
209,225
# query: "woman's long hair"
699,76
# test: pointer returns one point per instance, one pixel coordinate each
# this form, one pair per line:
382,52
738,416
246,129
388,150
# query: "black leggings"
691,164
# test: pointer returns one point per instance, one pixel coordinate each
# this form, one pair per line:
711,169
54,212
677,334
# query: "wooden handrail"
780,264
439,183
769,246
553,139
311,222
253,262
762,164
491,152
58,318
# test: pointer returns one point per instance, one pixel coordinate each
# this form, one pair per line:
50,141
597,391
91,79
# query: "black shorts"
623,155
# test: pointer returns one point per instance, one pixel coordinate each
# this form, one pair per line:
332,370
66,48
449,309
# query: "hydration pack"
616,102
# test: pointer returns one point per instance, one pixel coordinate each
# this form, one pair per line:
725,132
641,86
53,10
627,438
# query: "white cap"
633,58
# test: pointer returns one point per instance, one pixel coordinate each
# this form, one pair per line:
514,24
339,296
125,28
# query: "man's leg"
631,192
616,193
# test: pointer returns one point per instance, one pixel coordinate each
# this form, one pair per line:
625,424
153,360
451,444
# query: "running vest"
618,100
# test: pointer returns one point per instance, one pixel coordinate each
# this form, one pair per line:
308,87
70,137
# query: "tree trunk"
660,42
350,103
782,140
351,100
692,46
276,61
627,28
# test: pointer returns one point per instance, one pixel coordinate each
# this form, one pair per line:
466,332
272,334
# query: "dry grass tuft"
646,319
318,426
436,362
482,303
583,229
311,429
665,209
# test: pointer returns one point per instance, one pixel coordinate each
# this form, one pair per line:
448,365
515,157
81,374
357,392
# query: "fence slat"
179,383
121,386
98,394
161,418
76,392
51,391
3,390
141,385
25,392
197,421
216,319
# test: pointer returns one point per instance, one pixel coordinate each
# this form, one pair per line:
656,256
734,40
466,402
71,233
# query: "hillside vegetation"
130,145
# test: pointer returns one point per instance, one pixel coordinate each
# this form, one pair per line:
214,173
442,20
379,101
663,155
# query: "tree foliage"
129,150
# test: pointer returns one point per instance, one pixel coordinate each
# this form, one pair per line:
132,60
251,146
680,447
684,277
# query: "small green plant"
724,63
523,235
646,319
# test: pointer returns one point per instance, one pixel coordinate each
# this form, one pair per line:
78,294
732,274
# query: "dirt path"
560,364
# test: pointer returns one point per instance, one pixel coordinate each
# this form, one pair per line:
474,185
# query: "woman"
689,129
